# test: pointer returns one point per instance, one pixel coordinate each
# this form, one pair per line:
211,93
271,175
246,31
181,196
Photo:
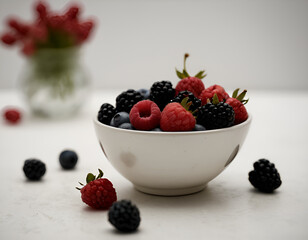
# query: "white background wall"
248,44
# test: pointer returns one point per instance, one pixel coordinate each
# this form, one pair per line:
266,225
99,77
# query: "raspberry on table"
68,159
265,176
99,192
124,216
12,115
161,93
34,169
145,115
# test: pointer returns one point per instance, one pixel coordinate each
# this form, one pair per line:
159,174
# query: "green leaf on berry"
179,74
90,177
100,175
235,93
201,74
215,99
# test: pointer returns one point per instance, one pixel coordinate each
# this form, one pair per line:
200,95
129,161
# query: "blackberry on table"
161,93
216,115
34,169
265,176
106,113
127,99
124,216
196,102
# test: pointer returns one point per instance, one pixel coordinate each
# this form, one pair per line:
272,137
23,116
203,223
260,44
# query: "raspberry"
124,216
98,193
161,93
12,115
34,169
208,94
193,84
68,159
216,115
8,38
265,176
73,12
127,99
145,115
106,113
176,117
237,102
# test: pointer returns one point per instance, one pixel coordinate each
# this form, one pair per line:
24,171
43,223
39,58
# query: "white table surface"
229,208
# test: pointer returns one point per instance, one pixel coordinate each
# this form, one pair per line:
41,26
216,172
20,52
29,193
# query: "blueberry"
157,129
199,127
68,159
144,92
119,118
126,126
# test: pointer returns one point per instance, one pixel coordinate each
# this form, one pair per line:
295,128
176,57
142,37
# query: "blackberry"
124,216
196,102
265,176
161,93
106,113
216,115
68,159
127,99
34,169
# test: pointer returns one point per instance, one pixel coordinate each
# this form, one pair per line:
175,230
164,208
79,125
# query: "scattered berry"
265,176
34,169
189,83
237,102
145,93
208,94
176,117
195,102
145,115
98,193
161,93
106,113
214,115
68,159
127,99
124,216
119,118
12,115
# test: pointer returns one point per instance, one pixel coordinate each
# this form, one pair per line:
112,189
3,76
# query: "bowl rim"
234,127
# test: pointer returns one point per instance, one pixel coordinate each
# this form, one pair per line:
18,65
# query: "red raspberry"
12,115
72,12
99,192
188,83
192,84
175,117
237,103
145,115
41,9
208,94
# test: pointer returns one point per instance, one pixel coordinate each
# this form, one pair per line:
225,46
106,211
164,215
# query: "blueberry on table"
68,159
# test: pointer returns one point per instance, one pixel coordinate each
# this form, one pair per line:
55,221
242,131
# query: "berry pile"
188,106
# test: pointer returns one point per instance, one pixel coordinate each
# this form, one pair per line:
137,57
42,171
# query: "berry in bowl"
171,141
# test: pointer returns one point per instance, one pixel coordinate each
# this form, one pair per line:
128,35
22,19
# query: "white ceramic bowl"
170,163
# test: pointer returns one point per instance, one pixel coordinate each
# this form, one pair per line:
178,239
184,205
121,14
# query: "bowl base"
170,191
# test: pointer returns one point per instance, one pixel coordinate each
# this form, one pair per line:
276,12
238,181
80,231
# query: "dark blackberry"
68,159
124,216
106,113
265,176
127,99
161,93
216,115
196,102
34,169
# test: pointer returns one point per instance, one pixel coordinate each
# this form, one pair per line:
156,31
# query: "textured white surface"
229,208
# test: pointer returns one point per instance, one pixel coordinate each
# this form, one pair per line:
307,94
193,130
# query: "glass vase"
54,82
